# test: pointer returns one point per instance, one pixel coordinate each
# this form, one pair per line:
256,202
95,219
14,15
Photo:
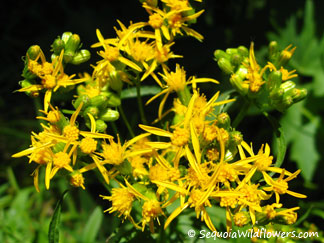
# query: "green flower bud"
236,59
68,56
58,46
273,49
101,126
288,85
98,100
231,51
298,94
114,100
81,57
73,43
58,147
66,36
242,50
242,72
82,98
93,110
238,84
236,137
110,115
115,82
274,80
33,52
221,54
223,120
241,219
225,65
28,74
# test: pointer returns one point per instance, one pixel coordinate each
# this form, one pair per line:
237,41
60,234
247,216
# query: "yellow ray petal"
195,143
156,131
129,63
174,214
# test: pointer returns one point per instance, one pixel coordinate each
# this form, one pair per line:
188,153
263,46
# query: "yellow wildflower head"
227,173
77,180
212,154
138,165
49,81
158,173
113,152
71,132
228,201
210,133
180,136
241,218
122,200
61,159
263,162
88,145
111,53
41,156
155,20
141,51
151,209
250,194
176,81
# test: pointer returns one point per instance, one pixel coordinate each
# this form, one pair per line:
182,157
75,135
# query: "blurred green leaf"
93,225
53,232
303,149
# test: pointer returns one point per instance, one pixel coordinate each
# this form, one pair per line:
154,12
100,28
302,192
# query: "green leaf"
53,232
304,151
93,225
145,90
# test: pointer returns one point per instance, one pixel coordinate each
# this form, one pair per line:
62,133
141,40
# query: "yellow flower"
52,77
122,201
280,185
254,75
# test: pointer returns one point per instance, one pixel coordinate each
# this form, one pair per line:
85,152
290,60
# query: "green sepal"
124,168
101,126
58,147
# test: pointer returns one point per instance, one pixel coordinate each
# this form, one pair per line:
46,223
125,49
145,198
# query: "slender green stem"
140,102
114,127
121,111
241,114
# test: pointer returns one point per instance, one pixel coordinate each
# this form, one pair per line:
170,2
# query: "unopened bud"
101,126
110,115
114,100
93,110
273,49
66,36
236,59
225,65
115,82
99,100
58,46
221,54
231,51
223,120
274,80
241,219
81,57
33,52
237,83
242,50
82,98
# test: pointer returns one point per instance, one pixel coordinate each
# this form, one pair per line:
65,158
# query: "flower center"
88,145
180,137
61,159
71,132
155,20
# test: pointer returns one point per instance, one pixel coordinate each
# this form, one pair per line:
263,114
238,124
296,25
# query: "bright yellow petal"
156,131
48,175
129,63
295,194
47,99
75,114
195,143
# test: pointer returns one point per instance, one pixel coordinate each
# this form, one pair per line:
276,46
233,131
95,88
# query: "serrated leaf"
303,149
92,227
53,231
145,90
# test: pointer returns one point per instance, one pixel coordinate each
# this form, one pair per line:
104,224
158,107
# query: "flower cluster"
195,160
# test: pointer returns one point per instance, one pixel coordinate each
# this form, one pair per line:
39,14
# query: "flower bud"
242,50
115,82
57,46
66,36
241,218
298,94
236,59
81,57
93,110
99,100
221,54
273,50
114,100
274,80
110,115
225,65
236,137
288,85
231,51
101,126
285,56
237,83
223,120
82,98
242,71
73,43
33,52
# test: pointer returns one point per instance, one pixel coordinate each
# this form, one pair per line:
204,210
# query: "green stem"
121,111
140,102
241,114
